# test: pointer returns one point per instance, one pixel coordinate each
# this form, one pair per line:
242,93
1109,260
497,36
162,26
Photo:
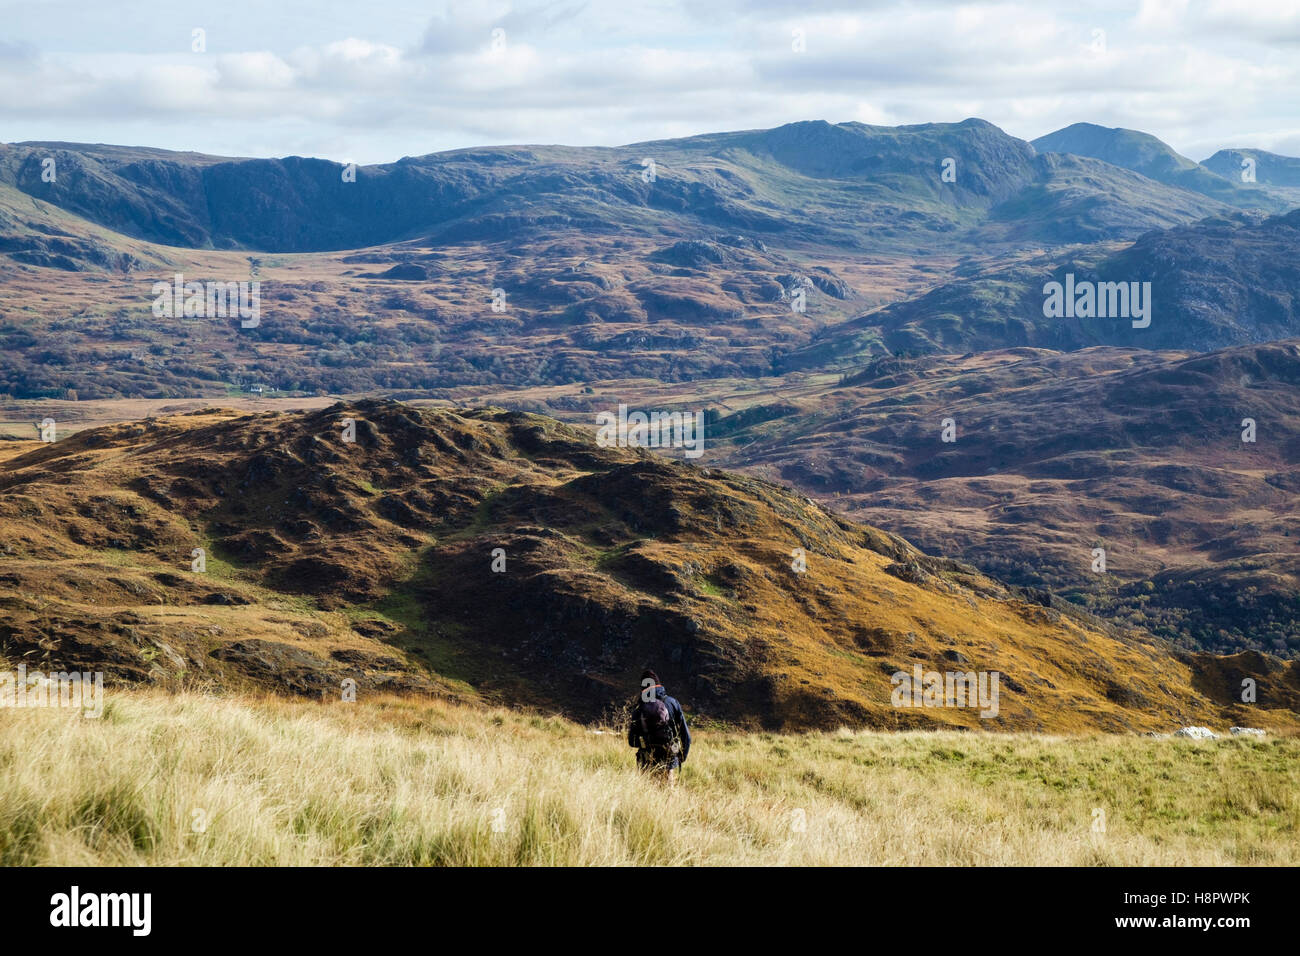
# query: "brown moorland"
373,560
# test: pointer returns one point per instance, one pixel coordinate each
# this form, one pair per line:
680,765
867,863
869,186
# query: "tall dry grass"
192,779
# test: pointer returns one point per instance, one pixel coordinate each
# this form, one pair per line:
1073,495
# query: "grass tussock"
190,779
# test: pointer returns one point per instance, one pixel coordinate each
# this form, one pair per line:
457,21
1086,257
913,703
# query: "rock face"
691,253
506,556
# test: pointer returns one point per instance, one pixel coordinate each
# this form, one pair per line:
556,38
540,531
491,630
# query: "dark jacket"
674,712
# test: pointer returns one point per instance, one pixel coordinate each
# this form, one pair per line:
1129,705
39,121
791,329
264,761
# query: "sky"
372,82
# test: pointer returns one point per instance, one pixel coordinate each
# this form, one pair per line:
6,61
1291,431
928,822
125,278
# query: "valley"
884,392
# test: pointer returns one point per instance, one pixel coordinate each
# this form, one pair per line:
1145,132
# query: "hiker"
658,729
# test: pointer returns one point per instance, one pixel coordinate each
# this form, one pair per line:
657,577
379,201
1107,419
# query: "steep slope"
1076,199
374,560
35,233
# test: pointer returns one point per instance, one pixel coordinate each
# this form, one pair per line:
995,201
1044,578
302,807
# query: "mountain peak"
1152,157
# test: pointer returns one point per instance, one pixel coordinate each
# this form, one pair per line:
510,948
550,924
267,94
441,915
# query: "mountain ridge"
792,181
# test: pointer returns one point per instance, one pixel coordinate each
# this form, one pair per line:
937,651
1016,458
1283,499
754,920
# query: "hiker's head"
648,673
650,686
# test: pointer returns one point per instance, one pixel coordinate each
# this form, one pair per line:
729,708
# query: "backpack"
657,728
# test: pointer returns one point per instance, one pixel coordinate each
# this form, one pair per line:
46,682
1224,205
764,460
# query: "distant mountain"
1220,282
1269,168
507,557
722,255
846,185
1145,154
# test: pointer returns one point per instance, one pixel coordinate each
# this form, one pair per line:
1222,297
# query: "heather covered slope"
374,560
415,318
1137,452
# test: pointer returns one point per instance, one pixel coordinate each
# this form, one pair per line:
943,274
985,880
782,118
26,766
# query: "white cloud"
261,70
371,84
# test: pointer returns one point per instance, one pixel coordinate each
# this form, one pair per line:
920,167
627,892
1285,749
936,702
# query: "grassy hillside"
1279,175
190,779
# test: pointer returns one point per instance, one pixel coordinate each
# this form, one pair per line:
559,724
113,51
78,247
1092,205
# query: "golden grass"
405,781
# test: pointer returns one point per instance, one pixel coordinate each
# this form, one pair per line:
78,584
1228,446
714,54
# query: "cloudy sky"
373,81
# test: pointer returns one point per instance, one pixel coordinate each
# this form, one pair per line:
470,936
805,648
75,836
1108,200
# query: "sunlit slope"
374,560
